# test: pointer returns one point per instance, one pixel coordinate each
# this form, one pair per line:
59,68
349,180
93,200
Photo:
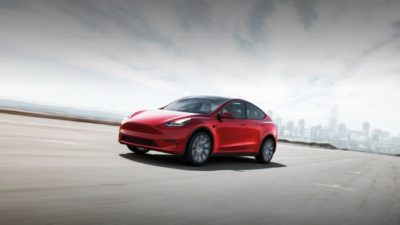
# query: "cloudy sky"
298,58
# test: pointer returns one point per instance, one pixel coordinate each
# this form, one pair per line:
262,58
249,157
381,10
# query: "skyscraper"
289,127
333,120
301,127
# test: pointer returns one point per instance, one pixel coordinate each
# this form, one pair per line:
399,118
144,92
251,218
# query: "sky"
297,58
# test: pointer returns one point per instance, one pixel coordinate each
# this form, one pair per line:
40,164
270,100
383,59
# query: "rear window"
254,113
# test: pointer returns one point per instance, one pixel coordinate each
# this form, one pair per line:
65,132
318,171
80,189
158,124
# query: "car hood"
158,116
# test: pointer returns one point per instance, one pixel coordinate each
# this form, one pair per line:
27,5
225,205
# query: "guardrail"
59,117
311,144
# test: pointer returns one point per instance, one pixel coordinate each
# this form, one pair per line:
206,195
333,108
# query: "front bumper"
169,143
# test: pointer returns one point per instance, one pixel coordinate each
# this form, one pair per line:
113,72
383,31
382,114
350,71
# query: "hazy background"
297,58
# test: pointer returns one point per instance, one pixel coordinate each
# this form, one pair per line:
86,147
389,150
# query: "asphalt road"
61,172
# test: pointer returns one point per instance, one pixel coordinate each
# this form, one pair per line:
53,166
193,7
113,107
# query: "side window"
237,109
253,112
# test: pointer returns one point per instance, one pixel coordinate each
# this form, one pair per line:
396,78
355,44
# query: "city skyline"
366,137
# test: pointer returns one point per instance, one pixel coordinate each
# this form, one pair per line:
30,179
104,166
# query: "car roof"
211,97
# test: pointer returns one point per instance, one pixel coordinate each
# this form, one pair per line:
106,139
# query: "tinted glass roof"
208,97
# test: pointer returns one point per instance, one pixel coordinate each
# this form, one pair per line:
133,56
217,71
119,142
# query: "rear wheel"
198,149
267,151
138,150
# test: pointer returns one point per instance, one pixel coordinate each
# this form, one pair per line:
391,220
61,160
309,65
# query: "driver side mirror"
226,115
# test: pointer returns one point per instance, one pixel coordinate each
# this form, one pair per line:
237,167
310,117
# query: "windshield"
201,105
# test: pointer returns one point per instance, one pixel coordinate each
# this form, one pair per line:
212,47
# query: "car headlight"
177,123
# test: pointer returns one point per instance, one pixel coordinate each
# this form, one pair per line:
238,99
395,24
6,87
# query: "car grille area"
140,141
140,128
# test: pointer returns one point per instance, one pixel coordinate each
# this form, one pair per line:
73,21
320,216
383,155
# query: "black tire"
137,150
198,149
267,151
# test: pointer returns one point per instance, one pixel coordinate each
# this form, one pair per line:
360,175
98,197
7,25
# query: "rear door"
255,125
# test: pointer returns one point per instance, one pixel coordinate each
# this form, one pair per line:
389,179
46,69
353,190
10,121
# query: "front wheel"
138,150
267,151
198,149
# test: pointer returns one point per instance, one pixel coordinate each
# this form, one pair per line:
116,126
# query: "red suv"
197,127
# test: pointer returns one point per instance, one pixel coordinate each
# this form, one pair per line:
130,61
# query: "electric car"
197,127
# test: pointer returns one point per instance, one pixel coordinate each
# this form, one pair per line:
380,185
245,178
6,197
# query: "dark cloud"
101,16
194,13
306,10
378,45
260,11
84,11
374,47
243,43
396,25
14,5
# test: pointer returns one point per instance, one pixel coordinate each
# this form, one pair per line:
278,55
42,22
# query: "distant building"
301,127
342,132
333,120
290,128
365,128
281,131
339,135
270,113
315,132
278,121
279,125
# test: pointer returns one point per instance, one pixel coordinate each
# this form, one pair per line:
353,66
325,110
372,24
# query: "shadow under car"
217,162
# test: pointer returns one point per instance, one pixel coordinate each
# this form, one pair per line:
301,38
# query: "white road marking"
58,141
57,126
42,140
365,167
355,172
334,186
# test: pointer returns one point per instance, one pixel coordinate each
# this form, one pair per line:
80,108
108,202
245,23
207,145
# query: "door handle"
243,124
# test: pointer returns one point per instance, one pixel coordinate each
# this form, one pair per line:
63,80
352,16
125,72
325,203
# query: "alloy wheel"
201,148
268,149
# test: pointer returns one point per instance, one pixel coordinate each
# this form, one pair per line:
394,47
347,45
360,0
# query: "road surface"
62,172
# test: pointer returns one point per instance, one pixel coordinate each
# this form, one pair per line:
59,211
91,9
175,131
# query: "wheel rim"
201,148
268,149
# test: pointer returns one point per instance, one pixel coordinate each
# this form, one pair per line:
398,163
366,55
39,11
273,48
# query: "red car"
196,127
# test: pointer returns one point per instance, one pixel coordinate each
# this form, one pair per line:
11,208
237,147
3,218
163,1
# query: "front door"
234,134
